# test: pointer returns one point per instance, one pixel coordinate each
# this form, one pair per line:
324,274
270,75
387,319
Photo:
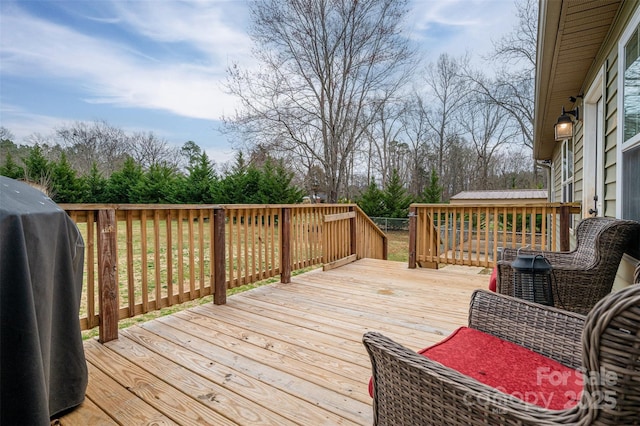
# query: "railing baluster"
245,254
169,226
156,252
413,227
180,257
92,319
231,215
285,245
487,227
254,251
131,302
564,228
238,227
554,228
144,270
201,254
261,239
212,253
543,229
218,263
192,260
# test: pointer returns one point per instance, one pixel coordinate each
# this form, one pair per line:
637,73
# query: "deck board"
276,355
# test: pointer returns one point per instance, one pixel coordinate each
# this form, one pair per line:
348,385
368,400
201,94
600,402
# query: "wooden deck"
282,354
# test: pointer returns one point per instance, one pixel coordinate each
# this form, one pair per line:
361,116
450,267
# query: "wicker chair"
585,275
410,389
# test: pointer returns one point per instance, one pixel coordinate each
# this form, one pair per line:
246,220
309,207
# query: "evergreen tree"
37,167
396,199
11,169
276,185
240,186
290,194
197,187
248,186
94,186
121,183
65,187
157,186
432,193
268,190
372,201
191,152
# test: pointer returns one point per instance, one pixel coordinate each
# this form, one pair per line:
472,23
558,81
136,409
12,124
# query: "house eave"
571,34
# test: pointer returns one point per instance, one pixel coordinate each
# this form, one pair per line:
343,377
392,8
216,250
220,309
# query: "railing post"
565,216
385,247
285,245
107,282
352,226
219,258
413,225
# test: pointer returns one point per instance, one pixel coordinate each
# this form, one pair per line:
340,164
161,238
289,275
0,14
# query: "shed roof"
502,194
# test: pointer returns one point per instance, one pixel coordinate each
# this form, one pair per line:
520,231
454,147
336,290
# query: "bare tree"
5,134
98,142
148,150
511,168
37,138
445,97
488,129
322,65
459,170
382,134
108,146
519,46
418,133
513,90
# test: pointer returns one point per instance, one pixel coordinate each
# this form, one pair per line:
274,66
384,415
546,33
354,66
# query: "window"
629,152
631,88
567,171
631,183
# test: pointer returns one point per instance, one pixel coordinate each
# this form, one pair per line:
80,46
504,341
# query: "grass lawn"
398,246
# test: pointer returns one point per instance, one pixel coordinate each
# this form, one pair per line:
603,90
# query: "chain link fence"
387,224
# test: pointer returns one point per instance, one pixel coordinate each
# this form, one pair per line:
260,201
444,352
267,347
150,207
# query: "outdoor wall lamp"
564,125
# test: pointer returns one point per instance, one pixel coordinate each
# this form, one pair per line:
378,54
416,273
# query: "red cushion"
493,281
508,368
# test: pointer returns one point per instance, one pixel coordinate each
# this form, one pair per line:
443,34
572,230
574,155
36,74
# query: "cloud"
120,73
157,60
24,124
212,27
460,26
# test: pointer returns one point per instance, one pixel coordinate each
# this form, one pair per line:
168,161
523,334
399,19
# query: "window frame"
593,144
567,172
634,142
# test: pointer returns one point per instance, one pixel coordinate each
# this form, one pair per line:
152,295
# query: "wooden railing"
474,235
141,258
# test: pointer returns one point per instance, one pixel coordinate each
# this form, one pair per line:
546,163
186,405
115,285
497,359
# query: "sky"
159,65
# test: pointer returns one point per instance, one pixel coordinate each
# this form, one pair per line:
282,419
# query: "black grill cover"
42,365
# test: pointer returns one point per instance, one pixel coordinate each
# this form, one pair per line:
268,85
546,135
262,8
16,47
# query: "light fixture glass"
564,125
564,128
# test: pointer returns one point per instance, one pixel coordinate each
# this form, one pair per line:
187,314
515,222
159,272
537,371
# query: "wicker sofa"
585,275
410,389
